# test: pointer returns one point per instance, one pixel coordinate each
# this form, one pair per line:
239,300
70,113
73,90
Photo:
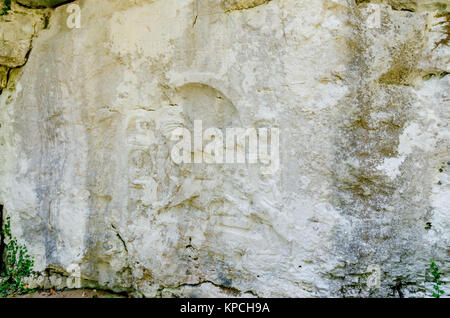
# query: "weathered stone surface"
17,30
364,174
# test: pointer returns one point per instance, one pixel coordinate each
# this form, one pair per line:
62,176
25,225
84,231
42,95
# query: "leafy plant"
437,291
18,264
6,7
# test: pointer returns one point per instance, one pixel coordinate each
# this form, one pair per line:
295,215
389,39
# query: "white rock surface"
363,115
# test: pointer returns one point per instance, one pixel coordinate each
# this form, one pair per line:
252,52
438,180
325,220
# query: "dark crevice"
44,7
120,238
46,21
435,75
229,289
402,9
63,3
251,292
7,76
398,289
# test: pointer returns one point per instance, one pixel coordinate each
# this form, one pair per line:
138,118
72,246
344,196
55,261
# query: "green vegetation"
6,7
437,291
18,264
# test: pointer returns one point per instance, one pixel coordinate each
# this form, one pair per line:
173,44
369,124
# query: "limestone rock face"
358,91
18,27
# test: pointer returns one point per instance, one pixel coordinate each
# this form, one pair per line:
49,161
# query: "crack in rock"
227,289
120,238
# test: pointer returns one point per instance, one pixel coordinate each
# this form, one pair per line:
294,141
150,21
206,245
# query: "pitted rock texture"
362,109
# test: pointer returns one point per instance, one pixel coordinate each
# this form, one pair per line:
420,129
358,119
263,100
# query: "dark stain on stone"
404,67
382,226
446,26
